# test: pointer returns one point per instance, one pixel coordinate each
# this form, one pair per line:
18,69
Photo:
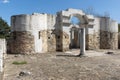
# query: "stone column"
82,41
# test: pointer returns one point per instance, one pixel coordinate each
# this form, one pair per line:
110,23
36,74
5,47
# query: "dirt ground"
1,76
96,65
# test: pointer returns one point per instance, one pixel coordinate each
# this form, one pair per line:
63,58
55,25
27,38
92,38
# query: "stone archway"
63,20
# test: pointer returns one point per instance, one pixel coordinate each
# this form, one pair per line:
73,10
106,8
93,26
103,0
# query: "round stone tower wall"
22,40
108,34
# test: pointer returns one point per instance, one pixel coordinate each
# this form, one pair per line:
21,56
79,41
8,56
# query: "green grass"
19,62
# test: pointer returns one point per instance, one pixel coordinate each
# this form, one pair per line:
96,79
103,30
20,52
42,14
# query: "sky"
15,7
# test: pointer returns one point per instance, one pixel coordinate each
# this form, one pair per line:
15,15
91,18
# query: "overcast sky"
14,7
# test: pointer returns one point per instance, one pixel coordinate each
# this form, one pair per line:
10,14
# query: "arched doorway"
63,20
74,33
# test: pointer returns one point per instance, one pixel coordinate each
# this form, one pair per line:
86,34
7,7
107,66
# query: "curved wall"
108,34
31,33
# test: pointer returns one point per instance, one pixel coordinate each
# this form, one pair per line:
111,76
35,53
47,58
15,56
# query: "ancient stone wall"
66,41
108,33
59,40
59,32
51,21
43,36
92,41
22,42
108,40
38,33
93,35
62,41
48,40
51,40
2,52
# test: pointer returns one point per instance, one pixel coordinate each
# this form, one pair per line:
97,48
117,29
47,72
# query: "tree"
4,29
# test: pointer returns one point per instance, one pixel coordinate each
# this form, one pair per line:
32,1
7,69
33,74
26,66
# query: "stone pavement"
65,66
1,76
89,53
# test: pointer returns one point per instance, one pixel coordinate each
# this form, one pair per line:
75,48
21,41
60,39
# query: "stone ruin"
2,52
39,33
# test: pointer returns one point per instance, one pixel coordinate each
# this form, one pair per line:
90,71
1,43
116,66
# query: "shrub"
19,62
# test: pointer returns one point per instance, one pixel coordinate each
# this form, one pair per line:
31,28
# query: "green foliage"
4,29
19,63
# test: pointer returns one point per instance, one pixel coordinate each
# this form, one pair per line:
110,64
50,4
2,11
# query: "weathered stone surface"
59,39
2,52
48,40
24,73
92,41
62,41
43,35
66,41
22,42
104,40
35,33
108,40
51,40
97,66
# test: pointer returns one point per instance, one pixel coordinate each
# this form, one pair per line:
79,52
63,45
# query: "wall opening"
58,37
74,20
14,35
75,38
39,34
48,37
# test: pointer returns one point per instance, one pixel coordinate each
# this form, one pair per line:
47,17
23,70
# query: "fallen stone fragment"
110,53
24,73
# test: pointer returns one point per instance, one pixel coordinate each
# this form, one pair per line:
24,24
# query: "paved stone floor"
65,66
1,76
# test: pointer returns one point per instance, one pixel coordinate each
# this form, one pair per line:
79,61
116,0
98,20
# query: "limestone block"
2,51
66,41
1,65
43,34
22,42
92,41
51,40
108,40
